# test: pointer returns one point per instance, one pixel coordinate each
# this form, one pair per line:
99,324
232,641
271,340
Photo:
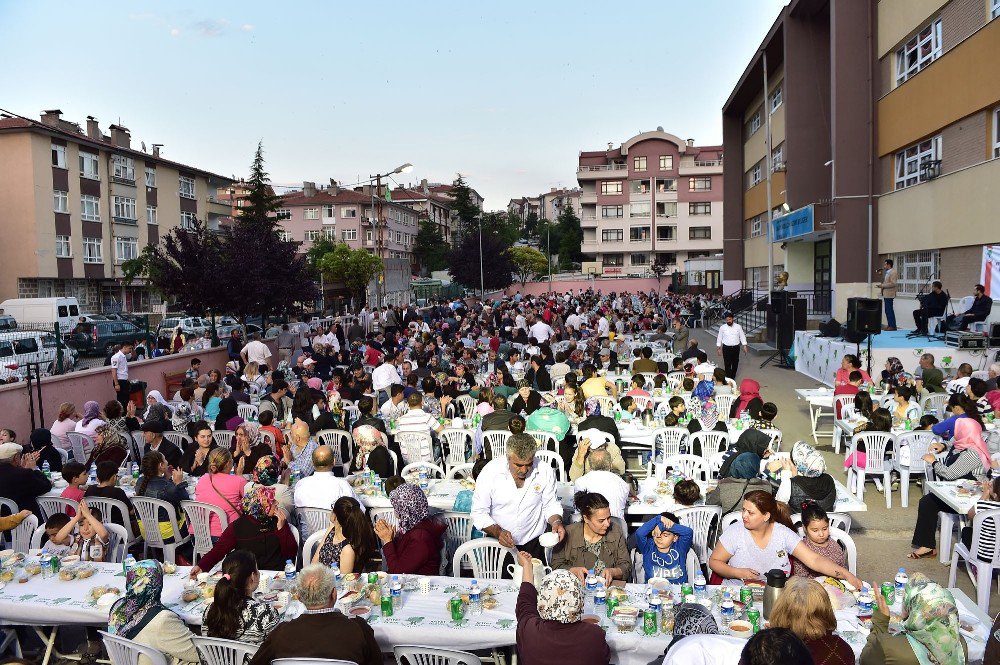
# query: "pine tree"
429,247
570,237
464,207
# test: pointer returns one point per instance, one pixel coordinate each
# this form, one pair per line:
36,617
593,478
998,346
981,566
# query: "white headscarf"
155,394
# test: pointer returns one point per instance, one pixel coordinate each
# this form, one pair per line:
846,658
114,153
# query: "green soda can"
753,616
888,590
372,578
649,622
457,608
687,590
56,564
746,596
387,606
612,604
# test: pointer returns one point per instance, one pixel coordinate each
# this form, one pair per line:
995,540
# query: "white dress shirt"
574,320
523,512
610,485
384,376
541,331
603,327
731,335
120,362
257,352
321,490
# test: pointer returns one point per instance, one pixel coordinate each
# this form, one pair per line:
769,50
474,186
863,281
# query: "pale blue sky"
505,92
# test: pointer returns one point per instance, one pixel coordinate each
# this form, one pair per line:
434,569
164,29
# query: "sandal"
929,554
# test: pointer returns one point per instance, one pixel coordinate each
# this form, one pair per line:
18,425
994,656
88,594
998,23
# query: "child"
90,540
194,371
664,544
266,421
629,408
53,526
816,525
687,492
75,474
638,387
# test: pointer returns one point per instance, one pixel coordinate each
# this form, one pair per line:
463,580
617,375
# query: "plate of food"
842,594
169,568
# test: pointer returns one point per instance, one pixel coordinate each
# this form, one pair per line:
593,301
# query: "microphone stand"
920,299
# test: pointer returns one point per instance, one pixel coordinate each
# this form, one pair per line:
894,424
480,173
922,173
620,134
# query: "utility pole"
379,283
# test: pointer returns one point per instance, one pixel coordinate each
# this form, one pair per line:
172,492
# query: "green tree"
319,249
184,267
528,262
500,224
356,268
430,247
464,207
548,237
530,224
465,267
570,237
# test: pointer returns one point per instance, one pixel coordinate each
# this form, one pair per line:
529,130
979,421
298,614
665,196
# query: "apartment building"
548,205
78,203
524,207
654,198
433,206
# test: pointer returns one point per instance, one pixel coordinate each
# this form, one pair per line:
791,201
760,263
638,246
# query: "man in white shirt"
541,331
728,343
255,351
604,481
603,326
574,320
322,488
395,406
520,322
119,373
383,376
515,496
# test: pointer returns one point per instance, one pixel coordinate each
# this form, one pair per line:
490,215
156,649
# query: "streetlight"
378,223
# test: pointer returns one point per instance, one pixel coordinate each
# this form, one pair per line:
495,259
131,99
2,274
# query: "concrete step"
761,347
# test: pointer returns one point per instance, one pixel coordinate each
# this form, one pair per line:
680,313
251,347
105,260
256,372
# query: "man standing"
286,343
383,376
119,373
681,336
888,289
255,351
931,305
728,343
515,497
541,331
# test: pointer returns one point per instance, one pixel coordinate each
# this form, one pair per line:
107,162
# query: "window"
700,233
151,214
92,251
186,186
312,235
914,269
996,128
638,187
700,184
638,163
778,157
664,185
700,208
349,213
611,187
613,260
638,234
909,162
310,213
923,49
64,249
639,259
187,220
638,210
612,211
666,162
150,177
667,258
350,234
282,213
125,208
328,212
666,209
776,98
90,208
754,124
753,179
60,201
330,234
284,236
126,249
59,156
124,168
666,233
368,235
612,235
994,9
757,226
88,166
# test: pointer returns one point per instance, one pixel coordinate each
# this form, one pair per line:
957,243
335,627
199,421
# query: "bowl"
107,600
362,611
548,539
741,629
625,618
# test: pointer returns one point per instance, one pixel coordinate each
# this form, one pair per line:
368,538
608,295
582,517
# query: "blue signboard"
792,225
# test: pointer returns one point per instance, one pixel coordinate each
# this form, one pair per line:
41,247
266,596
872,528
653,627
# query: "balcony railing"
604,167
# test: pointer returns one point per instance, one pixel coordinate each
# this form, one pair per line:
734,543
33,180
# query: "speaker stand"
779,358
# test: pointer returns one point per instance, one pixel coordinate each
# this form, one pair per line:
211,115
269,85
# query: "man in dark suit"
20,479
153,434
538,377
981,307
931,305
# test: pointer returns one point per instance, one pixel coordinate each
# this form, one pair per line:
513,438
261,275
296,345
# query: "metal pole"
482,287
548,247
379,284
767,166
870,288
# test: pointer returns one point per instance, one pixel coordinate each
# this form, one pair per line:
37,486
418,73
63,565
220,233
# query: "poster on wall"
990,277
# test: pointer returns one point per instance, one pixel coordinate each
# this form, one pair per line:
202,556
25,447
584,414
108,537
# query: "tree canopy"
354,267
497,267
570,237
464,207
430,247
528,263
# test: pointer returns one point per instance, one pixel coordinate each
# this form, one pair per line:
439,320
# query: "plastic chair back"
217,651
200,514
419,655
700,519
691,466
460,471
126,652
312,520
50,505
485,556
432,470
555,461
496,441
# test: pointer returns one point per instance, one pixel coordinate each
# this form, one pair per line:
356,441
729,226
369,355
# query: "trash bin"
138,394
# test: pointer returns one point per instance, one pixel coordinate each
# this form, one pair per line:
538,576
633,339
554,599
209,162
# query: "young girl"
816,524
664,544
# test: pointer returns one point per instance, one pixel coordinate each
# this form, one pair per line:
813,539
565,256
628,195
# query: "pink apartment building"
653,197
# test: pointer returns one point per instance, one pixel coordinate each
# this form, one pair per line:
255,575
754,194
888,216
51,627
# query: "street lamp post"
379,224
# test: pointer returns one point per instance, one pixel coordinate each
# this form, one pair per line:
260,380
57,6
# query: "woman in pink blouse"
220,488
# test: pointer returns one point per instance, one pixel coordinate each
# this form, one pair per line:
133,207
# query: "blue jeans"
890,313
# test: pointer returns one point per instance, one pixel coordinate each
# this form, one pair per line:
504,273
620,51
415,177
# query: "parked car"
225,331
7,322
34,346
190,325
99,337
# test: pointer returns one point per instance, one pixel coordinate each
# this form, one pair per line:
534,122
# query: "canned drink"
56,564
649,622
687,590
612,603
372,578
457,608
387,606
753,616
888,590
746,596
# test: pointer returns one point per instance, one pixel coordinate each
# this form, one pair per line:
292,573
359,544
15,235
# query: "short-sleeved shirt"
120,362
745,554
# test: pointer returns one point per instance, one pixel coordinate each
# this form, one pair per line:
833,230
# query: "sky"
506,93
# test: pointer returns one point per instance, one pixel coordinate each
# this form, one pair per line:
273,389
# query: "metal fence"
40,344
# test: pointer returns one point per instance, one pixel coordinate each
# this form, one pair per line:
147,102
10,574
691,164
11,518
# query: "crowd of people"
517,365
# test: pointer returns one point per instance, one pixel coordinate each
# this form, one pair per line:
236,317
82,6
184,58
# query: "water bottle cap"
287,561
475,582
902,570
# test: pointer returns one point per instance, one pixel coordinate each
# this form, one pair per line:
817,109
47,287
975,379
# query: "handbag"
729,492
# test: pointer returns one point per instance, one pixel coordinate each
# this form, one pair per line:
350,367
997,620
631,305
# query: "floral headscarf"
807,460
704,390
267,471
592,407
931,626
252,430
410,505
560,597
259,503
141,602
366,438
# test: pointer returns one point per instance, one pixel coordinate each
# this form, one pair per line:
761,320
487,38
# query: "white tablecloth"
947,491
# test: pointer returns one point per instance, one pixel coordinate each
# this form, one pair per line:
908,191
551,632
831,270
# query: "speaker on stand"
864,319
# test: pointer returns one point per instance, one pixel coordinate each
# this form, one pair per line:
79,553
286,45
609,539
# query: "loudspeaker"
864,315
829,328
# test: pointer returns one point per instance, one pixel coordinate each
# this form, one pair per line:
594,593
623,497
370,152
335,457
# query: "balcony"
601,171
127,221
588,197
700,167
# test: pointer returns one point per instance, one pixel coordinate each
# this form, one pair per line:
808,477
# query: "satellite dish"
143,146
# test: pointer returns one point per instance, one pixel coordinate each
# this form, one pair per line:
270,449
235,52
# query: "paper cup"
548,539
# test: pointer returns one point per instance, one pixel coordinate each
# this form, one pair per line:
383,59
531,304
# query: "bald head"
300,431
600,460
323,458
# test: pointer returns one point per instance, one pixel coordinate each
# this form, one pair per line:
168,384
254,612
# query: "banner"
990,277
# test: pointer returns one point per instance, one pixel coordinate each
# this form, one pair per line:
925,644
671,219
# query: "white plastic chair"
775,435
711,442
387,515
455,442
108,508
311,661
269,439
418,655
459,532
876,444
918,441
691,466
127,652
416,447
313,543
496,441
247,412
460,471
667,442
485,556
935,404
50,505
217,651
984,556
850,549
692,565
845,401
545,440
20,536
724,404
555,461
841,521
81,445
608,405
179,439
224,438
335,439
642,402
700,520
312,520
466,405
730,519
432,470
149,509
199,516
351,409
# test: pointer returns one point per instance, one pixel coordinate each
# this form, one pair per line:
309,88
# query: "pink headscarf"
315,383
968,434
749,390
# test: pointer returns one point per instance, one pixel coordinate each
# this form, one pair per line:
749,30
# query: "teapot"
776,579
539,570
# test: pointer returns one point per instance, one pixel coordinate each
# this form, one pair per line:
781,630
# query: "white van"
30,311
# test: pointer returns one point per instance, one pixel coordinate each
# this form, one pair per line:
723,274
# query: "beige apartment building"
78,203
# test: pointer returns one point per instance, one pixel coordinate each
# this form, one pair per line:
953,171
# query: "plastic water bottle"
396,591
655,603
128,564
335,569
289,570
92,480
475,599
46,469
865,605
727,609
700,587
423,480
901,581
135,471
591,581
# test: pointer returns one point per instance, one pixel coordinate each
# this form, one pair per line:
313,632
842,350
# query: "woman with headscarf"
967,459
121,420
704,410
41,443
91,419
550,629
141,616
262,530
803,477
415,547
158,409
248,447
929,629
894,375
749,397
229,416
695,621
267,473
108,446
596,420
371,452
